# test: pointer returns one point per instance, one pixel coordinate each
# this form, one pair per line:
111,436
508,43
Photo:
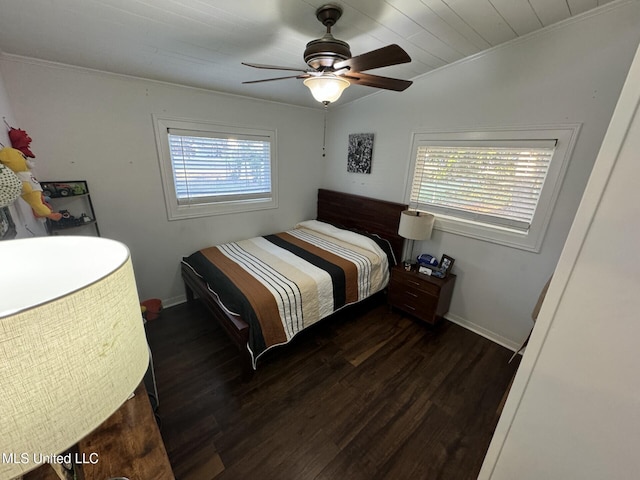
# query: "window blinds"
495,184
210,167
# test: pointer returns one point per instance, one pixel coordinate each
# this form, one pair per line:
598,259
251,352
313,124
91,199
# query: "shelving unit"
73,200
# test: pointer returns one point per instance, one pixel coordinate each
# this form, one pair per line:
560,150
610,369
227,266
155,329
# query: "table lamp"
414,225
72,344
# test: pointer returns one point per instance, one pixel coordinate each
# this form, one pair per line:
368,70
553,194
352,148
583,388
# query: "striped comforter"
282,283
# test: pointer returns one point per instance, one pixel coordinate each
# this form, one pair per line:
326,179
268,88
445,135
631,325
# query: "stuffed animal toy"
20,140
31,189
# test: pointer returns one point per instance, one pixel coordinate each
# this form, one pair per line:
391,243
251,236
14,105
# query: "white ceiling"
202,42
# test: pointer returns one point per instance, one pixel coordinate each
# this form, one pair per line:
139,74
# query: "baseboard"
173,301
494,337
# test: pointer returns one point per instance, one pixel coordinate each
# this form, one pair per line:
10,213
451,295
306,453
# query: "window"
498,186
488,181
210,169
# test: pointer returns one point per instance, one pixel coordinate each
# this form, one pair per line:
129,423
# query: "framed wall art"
360,153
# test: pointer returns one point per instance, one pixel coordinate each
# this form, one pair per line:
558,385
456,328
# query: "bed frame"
342,209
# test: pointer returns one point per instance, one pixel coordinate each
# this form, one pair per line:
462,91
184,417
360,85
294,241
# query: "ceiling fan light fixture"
329,58
326,88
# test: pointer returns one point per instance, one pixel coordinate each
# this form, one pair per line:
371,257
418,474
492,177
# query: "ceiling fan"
332,68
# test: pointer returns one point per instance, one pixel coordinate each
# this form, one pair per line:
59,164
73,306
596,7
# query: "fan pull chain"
324,132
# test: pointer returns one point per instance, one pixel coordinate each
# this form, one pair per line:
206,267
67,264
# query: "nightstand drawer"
419,305
420,302
414,281
421,296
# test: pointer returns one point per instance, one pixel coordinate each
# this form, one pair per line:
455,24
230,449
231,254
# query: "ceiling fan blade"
382,57
377,81
273,67
278,78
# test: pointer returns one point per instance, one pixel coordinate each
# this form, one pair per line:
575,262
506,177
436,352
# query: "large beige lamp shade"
72,343
415,225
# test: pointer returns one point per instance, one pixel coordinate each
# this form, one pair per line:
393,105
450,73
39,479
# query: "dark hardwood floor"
368,394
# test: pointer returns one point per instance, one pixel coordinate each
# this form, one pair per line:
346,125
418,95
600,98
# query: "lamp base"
71,470
62,472
407,252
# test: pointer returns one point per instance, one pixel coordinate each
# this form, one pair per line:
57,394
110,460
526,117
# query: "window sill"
489,233
181,212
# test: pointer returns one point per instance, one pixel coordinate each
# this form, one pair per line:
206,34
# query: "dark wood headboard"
363,213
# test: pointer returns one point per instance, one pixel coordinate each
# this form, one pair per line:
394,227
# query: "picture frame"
446,264
360,153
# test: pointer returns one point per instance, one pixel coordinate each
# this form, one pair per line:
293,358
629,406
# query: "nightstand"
422,296
127,444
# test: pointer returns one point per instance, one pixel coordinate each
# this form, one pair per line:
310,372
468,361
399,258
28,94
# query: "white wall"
96,126
573,410
26,224
571,73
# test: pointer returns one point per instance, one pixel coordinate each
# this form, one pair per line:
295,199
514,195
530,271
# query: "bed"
264,290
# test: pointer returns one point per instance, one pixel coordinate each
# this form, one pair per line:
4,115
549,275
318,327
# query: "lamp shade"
326,88
72,343
415,225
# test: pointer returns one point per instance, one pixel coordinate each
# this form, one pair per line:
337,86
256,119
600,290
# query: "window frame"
176,211
566,136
